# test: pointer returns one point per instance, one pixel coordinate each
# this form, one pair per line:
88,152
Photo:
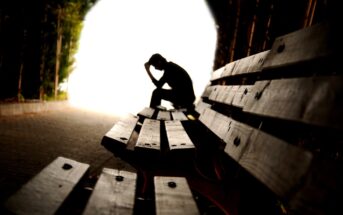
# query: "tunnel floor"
29,142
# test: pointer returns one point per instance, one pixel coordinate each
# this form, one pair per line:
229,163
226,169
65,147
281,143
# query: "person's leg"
159,94
184,100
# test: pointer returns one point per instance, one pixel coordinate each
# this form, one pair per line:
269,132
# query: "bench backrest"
279,114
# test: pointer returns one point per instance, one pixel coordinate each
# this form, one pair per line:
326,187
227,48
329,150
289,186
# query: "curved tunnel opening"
119,37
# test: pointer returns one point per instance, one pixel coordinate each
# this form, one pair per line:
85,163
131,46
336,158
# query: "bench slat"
173,196
179,115
236,139
147,112
224,94
251,149
201,106
163,115
277,164
241,95
217,74
250,64
228,69
46,191
218,123
122,130
114,193
207,92
299,46
312,100
177,136
149,136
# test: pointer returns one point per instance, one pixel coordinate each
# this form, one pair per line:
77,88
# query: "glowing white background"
120,36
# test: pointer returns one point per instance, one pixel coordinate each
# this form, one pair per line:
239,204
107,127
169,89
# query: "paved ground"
31,141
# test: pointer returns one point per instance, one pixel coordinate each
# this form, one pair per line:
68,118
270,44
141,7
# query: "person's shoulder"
171,63
174,66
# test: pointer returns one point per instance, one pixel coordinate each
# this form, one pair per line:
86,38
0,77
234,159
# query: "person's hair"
156,58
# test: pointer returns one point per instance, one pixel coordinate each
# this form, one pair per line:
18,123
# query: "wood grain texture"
228,69
178,138
46,191
241,95
314,100
122,130
300,46
179,115
149,136
163,115
224,94
280,166
217,74
250,64
173,196
114,193
201,106
147,112
236,139
207,91
218,123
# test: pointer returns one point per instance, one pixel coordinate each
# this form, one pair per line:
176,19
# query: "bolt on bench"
266,139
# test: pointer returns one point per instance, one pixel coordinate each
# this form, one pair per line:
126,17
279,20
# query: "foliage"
70,15
29,33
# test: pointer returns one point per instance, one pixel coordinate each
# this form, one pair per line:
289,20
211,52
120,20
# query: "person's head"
157,61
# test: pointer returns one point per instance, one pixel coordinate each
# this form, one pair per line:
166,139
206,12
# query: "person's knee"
157,92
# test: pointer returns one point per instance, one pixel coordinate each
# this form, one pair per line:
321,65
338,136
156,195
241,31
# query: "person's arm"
158,84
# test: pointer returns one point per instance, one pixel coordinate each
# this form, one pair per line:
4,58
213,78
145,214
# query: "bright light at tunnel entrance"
120,36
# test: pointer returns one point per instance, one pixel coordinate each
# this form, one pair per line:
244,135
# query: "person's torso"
177,78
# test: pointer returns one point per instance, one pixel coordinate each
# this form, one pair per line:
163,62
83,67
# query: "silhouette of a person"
181,94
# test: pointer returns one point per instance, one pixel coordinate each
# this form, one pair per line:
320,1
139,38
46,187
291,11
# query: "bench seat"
164,115
45,192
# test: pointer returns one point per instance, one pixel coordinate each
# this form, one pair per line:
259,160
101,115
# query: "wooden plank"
241,95
300,46
217,74
236,139
315,100
46,191
228,69
250,64
201,106
231,94
177,136
279,165
121,131
218,123
147,112
173,196
220,93
226,94
149,136
163,115
114,193
179,115
207,91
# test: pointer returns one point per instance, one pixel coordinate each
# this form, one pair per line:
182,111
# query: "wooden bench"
276,115
267,139
58,188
